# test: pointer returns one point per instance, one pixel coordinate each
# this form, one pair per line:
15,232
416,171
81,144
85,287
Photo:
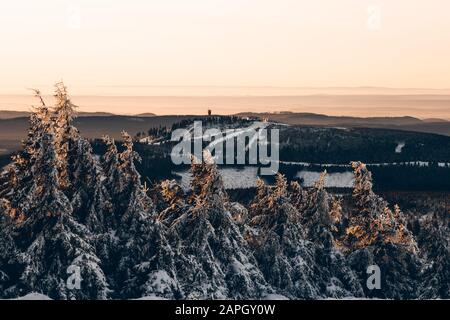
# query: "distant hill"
6,114
320,119
437,126
435,120
95,125
13,130
148,114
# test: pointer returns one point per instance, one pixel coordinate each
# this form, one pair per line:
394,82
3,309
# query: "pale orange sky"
320,43
227,48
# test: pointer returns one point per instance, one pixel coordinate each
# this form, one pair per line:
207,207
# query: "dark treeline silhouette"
341,145
165,131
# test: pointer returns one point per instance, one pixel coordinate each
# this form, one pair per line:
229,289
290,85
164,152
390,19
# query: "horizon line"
231,114
235,86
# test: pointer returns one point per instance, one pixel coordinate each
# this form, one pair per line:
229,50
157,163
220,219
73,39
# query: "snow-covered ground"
33,296
233,178
381,164
244,178
333,180
151,298
275,296
255,126
38,296
409,163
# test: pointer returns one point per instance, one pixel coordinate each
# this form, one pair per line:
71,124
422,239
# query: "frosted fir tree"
297,266
371,221
336,210
52,242
110,163
16,179
79,173
297,196
9,182
199,173
239,214
127,160
377,235
128,183
262,198
40,123
434,241
338,221
173,201
90,199
146,266
315,215
320,217
213,258
66,135
106,241
140,259
285,257
171,192
10,253
206,182
43,122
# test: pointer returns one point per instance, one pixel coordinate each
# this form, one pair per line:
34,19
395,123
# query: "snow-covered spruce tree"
173,202
275,234
146,266
376,235
79,173
434,241
107,242
336,214
52,241
16,179
90,199
315,216
145,263
10,180
296,266
110,163
15,182
9,252
319,217
40,123
371,221
66,135
297,196
239,214
129,179
213,259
